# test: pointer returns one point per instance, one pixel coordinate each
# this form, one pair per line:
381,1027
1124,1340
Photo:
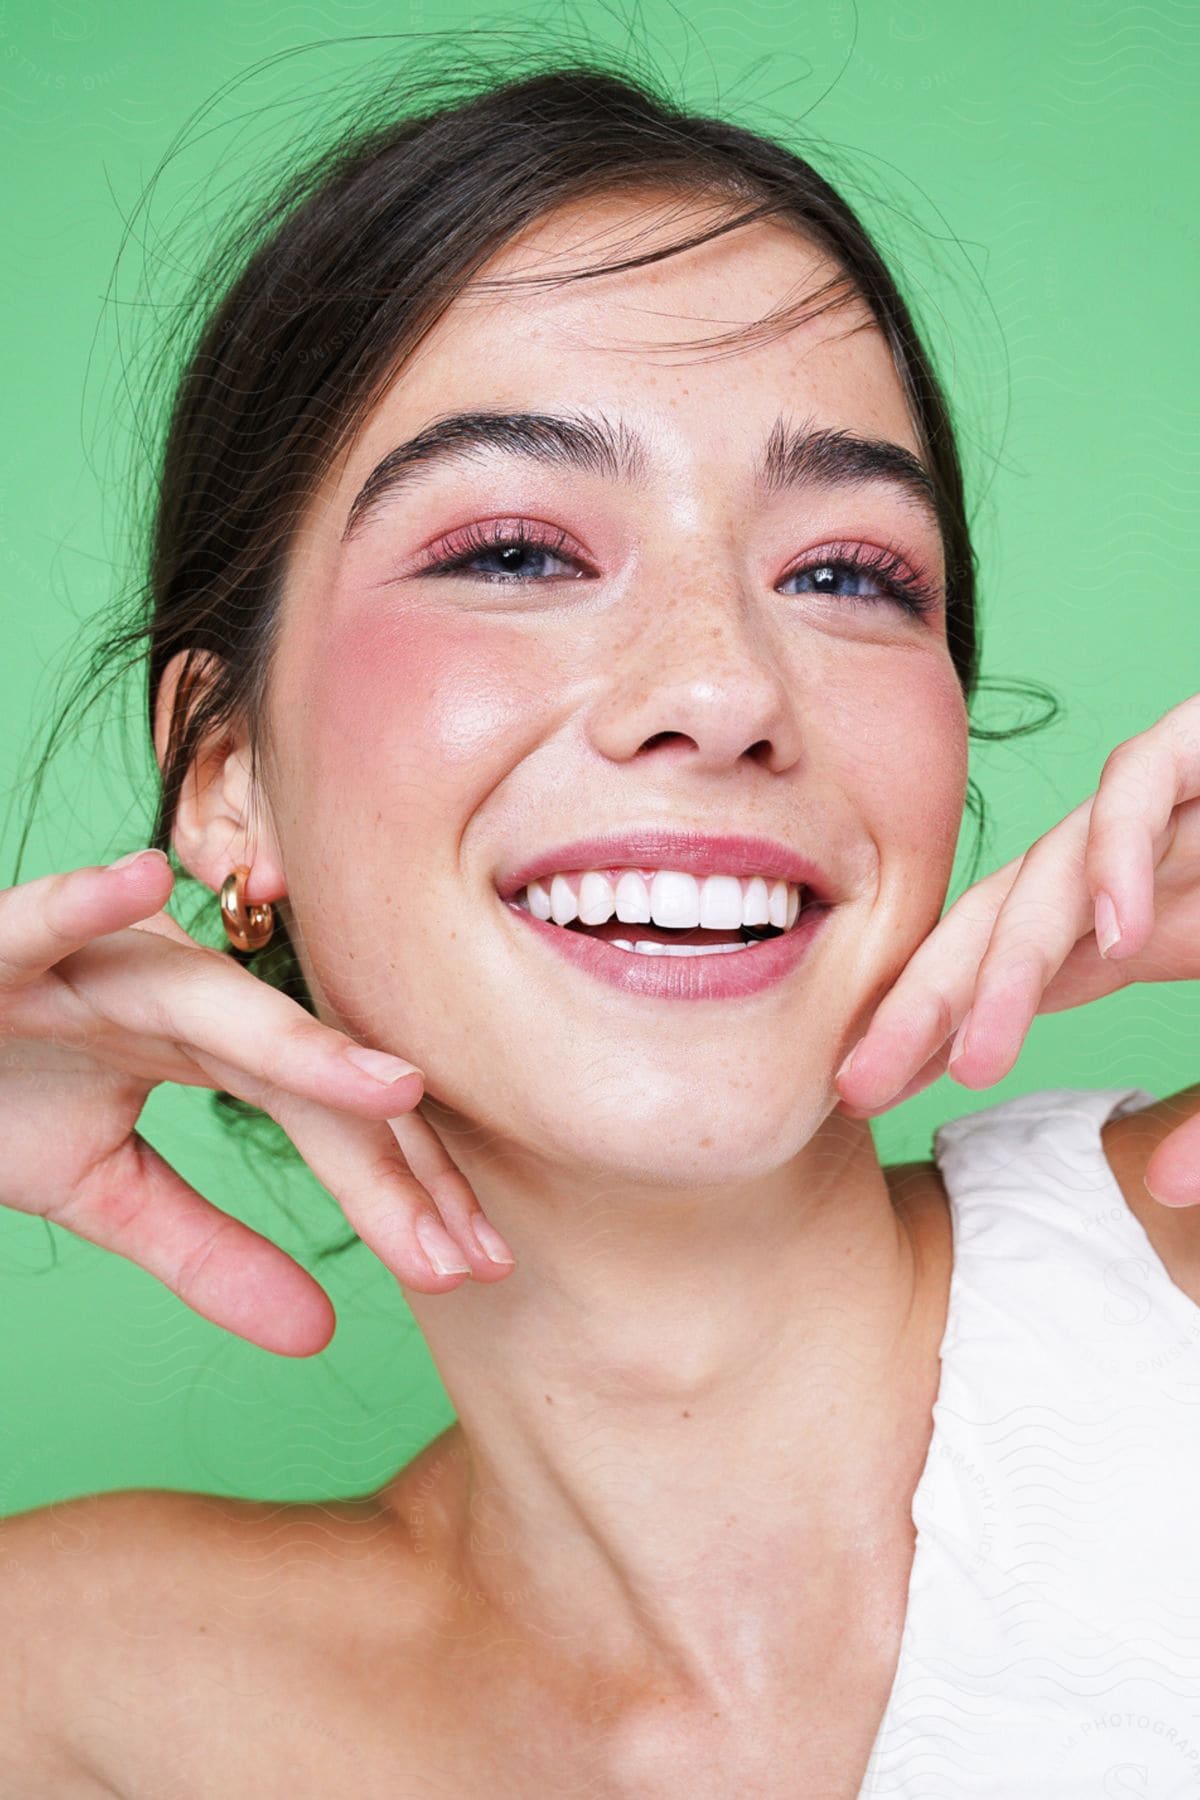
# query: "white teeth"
562,901
595,899
670,898
674,899
755,903
632,899
721,903
538,899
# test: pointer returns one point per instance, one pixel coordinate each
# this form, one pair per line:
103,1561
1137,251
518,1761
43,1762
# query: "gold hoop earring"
246,927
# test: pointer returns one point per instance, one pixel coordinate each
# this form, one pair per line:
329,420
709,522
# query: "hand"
102,996
1025,939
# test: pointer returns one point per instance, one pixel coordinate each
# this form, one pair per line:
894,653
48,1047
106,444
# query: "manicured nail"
960,1042
441,1249
490,1241
845,1067
1189,1196
377,1063
1108,931
1171,1199
123,862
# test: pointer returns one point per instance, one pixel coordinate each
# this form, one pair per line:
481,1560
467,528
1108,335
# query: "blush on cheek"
928,784
424,690
903,750
398,730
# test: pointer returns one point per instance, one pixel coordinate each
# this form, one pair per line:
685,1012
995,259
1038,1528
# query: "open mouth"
649,938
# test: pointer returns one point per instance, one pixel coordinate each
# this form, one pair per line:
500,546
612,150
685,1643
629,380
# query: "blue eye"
880,569
512,546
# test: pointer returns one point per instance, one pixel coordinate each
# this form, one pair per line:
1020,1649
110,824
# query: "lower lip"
729,977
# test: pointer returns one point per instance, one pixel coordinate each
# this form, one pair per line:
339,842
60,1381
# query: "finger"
362,1166
135,1204
1045,913
200,1004
427,1157
943,980
929,997
454,1235
1142,783
191,1001
1173,1173
925,1077
43,920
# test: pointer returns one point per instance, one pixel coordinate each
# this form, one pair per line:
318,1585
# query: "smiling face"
681,649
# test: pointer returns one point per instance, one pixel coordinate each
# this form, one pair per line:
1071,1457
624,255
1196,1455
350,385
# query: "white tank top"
1051,1646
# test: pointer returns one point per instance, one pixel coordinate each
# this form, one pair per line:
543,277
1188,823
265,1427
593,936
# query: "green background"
1029,171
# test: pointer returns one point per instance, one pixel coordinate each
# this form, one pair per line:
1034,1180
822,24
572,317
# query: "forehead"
634,342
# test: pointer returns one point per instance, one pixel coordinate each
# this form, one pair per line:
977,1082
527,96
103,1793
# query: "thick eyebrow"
794,456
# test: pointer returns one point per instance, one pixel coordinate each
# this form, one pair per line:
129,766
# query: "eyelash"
913,594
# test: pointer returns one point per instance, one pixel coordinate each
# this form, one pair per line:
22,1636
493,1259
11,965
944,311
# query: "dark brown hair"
311,304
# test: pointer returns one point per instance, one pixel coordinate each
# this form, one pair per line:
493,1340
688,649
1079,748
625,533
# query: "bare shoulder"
146,1627
70,1576
1129,1143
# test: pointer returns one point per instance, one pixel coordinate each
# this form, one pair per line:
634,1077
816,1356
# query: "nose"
697,674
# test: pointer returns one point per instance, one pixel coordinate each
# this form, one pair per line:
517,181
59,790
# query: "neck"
678,1417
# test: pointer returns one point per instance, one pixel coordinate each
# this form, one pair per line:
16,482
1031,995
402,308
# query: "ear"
220,820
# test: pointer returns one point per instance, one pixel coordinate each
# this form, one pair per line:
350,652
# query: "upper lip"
661,847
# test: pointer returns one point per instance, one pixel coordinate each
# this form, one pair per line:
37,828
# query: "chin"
697,1139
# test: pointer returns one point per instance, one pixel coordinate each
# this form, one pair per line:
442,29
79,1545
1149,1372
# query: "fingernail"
377,1063
960,1041
441,1249
1189,1195
491,1243
1172,1199
123,862
1108,931
846,1065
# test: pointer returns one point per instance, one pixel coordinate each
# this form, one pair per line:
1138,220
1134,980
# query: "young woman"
560,645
